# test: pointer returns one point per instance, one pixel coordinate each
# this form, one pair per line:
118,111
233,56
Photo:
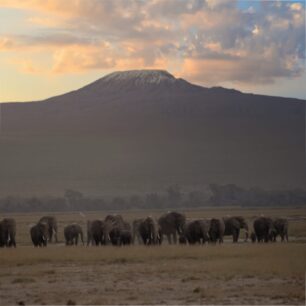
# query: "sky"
49,47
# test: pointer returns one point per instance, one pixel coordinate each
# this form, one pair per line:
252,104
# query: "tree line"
173,197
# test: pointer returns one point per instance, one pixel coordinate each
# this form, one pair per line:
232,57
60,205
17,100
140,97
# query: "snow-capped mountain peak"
140,77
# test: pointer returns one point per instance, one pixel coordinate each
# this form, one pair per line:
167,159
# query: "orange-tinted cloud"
207,41
79,58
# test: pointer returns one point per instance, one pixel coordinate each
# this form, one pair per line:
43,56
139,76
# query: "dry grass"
230,274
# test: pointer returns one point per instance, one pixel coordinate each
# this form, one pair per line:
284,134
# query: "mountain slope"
144,130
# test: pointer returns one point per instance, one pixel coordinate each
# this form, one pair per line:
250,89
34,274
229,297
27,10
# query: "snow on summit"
140,77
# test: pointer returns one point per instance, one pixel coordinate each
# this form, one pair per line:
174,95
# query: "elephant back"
263,224
172,222
231,224
135,230
263,227
196,231
114,220
39,234
149,231
96,226
52,226
72,229
100,232
280,225
10,225
118,230
216,229
242,221
7,232
50,220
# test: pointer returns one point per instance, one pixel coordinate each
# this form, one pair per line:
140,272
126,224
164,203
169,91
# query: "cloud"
204,40
28,66
79,58
6,43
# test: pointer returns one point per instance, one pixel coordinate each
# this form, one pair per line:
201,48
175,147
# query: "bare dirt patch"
228,274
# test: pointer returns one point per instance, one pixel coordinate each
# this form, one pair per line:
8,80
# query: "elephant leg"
76,240
139,239
175,238
13,242
169,238
206,238
266,238
55,236
237,234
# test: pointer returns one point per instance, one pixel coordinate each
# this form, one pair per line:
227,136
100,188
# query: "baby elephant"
72,232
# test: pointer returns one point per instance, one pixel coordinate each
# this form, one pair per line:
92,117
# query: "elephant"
97,233
136,234
8,232
118,230
52,226
216,230
120,236
263,228
171,224
233,226
114,219
40,234
195,231
149,232
126,237
280,228
72,233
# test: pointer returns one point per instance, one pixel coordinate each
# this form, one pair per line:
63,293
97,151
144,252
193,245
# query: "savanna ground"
243,273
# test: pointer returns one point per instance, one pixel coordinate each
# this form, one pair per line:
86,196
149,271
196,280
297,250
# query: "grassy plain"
243,273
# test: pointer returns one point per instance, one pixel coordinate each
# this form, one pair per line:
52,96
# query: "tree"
73,198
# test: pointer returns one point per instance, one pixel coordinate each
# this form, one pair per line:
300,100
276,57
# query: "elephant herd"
149,231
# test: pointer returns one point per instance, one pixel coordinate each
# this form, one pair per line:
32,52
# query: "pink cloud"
210,41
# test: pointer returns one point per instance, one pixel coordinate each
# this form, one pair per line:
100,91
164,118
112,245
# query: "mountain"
143,130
